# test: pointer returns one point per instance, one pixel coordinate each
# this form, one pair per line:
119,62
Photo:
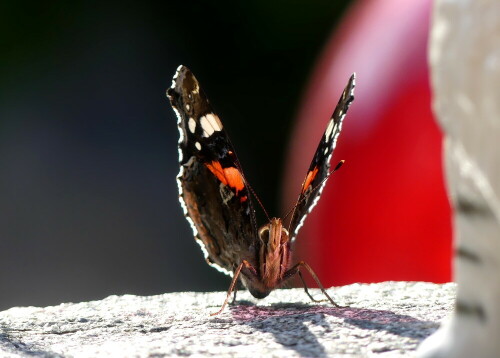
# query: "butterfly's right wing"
212,189
319,169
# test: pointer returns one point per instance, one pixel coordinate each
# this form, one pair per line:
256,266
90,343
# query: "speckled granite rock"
387,319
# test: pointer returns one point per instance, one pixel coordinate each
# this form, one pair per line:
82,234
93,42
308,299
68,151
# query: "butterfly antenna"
337,167
238,165
258,200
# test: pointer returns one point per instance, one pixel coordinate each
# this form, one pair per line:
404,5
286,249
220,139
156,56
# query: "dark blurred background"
88,157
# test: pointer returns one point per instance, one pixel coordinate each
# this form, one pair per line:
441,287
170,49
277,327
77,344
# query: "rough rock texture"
387,320
465,67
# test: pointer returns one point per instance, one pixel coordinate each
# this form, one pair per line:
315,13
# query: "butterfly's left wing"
319,169
212,189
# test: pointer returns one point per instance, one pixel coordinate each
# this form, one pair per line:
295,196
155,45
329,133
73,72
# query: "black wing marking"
212,190
320,166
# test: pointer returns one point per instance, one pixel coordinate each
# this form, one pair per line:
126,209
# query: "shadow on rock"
15,346
290,323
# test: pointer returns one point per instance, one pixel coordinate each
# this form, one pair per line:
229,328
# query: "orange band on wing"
309,178
228,176
217,170
234,178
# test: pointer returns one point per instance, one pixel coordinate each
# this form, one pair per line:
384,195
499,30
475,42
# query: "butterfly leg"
233,284
307,291
296,269
235,290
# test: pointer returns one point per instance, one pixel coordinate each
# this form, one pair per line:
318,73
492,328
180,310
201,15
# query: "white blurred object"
465,65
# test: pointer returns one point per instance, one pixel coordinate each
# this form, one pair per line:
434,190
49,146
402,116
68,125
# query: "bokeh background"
88,157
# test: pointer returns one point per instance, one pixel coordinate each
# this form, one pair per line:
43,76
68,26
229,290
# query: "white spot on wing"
329,129
192,125
208,130
214,121
210,124
197,145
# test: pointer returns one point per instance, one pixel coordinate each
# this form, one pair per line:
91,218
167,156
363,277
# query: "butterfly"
217,199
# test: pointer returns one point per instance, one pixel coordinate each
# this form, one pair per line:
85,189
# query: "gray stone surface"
384,320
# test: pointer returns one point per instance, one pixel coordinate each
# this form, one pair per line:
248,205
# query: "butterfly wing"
212,189
320,166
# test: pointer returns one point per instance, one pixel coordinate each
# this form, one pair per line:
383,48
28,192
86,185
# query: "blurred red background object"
385,215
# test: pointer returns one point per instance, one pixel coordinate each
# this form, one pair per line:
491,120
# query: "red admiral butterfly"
216,197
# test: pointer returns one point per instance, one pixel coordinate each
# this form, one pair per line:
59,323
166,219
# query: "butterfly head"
274,252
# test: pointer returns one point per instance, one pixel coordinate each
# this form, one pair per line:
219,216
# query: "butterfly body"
216,198
272,259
